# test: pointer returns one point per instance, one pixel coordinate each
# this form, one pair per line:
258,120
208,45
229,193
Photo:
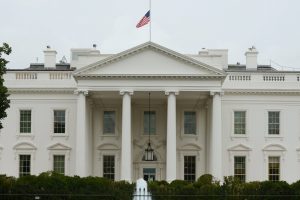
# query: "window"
274,123
240,168
152,129
274,168
25,121
59,121
24,165
240,122
190,122
59,164
189,168
109,167
149,174
109,123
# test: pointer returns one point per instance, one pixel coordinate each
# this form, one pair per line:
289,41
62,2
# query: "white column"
126,161
81,135
216,137
171,158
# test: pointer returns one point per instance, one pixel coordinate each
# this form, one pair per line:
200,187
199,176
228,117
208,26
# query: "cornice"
153,76
41,90
261,91
148,45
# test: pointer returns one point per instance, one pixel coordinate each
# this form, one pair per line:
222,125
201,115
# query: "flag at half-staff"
145,20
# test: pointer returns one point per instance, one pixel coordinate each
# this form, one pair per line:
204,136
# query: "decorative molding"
239,147
108,146
59,146
168,92
139,48
274,147
259,92
124,91
85,92
213,93
40,90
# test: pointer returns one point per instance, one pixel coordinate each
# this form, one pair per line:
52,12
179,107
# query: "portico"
179,87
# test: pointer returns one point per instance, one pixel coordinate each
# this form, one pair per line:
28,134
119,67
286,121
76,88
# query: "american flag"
145,20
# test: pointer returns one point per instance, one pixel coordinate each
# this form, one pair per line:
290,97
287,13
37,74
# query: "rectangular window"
59,164
274,122
59,121
190,122
189,168
109,167
24,165
240,122
240,168
274,168
149,117
149,174
25,121
109,122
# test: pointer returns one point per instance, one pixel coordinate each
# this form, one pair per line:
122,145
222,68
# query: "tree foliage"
4,101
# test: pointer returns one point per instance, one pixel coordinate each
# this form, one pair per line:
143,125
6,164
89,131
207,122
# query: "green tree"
4,102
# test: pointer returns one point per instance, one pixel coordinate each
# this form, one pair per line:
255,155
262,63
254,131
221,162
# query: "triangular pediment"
148,59
239,147
59,146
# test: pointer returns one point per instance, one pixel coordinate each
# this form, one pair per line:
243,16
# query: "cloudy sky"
186,26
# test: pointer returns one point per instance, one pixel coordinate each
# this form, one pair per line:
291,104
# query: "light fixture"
149,152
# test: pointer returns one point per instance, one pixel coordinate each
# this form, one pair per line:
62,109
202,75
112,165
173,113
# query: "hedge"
55,186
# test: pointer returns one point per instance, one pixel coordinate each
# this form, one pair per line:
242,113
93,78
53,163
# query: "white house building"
92,116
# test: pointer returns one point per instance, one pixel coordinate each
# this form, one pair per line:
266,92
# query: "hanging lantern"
149,153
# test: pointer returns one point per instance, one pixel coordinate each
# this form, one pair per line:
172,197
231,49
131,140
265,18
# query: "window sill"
59,135
239,137
25,135
270,137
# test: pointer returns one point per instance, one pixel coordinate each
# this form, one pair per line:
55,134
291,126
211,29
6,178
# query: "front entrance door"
149,174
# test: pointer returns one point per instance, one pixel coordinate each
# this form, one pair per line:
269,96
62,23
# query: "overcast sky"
186,26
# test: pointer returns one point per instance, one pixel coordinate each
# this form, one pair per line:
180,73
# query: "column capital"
168,92
122,92
213,93
81,91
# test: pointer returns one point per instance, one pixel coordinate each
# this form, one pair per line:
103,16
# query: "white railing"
60,75
26,75
274,78
239,77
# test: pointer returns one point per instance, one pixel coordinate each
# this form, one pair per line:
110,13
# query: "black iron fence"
144,197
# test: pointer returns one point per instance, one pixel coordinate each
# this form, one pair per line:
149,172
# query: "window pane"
59,121
149,117
109,122
274,168
240,168
189,122
59,164
189,168
240,122
25,121
274,123
149,174
24,165
109,167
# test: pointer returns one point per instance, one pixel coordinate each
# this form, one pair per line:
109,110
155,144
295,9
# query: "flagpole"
150,19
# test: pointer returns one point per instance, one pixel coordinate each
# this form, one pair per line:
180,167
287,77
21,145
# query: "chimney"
251,58
50,58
